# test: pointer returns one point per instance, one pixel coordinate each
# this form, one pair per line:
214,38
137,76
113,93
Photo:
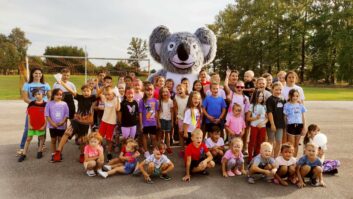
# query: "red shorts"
106,130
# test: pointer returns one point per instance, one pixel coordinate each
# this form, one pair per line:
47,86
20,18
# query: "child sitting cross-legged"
197,156
263,163
233,159
215,144
157,164
126,163
286,165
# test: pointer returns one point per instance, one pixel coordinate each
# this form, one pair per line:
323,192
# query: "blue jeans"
24,136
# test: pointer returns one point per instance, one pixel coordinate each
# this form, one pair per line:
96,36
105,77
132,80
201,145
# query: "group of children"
240,126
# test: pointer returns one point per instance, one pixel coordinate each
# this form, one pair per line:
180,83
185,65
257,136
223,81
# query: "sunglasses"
240,87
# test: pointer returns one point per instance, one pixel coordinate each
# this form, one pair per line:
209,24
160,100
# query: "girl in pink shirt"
235,125
93,152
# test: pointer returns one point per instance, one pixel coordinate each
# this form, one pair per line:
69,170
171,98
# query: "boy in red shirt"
197,156
36,123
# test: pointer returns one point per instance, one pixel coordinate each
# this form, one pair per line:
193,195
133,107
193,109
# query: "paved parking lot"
40,179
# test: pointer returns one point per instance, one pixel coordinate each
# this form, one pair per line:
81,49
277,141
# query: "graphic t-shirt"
29,88
128,154
275,106
149,110
110,114
84,104
165,111
255,110
129,112
36,112
294,113
193,120
57,111
196,153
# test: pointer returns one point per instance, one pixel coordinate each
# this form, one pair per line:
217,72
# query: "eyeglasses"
242,87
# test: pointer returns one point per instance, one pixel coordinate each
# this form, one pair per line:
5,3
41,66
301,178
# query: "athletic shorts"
56,132
129,167
166,125
152,130
195,163
106,130
79,129
128,132
294,129
32,133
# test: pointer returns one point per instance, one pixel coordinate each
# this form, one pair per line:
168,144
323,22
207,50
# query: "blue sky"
105,27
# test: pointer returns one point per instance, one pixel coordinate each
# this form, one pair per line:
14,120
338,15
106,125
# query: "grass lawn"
10,89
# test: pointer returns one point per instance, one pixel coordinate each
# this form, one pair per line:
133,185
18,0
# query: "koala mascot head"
182,53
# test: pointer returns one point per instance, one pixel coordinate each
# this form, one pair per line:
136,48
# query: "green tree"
17,37
137,50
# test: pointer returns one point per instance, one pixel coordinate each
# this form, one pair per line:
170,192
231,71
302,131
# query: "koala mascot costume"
182,54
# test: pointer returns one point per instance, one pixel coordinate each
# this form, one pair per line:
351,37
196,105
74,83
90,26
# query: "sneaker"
237,172
313,181
102,173
57,156
251,180
107,167
91,173
230,173
109,156
147,154
21,158
82,158
169,151
52,158
19,152
165,177
39,155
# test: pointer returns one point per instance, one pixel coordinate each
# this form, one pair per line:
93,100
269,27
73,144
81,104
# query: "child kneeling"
157,164
263,163
126,163
93,153
197,156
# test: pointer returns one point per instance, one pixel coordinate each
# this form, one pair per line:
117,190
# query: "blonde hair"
133,143
250,72
94,135
265,144
277,84
197,131
236,140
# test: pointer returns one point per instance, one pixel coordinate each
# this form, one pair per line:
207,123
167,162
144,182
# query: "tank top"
181,106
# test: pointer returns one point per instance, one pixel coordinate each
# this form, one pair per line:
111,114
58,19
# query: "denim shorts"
129,167
272,135
166,125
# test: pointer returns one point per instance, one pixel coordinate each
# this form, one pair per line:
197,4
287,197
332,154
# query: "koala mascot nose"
183,51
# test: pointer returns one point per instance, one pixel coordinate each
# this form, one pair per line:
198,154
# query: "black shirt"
129,112
247,86
275,106
84,104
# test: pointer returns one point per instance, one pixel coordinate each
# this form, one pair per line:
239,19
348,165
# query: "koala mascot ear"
209,44
157,37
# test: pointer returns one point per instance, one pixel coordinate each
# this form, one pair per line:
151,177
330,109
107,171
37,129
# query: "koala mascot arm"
182,54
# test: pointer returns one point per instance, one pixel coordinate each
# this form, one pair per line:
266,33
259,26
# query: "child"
197,86
157,164
126,163
263,163
269,80
203,78
128,81
235,124
185,81
100,78
286,164
99,104
138,95
169,83
276,124
257,117
281,77
82,119
214,108
233,160
109,118
158,85
295,120
197,157
121,88
215,144
148,116
192,116
67,96
36,123
128,114
291,78
309,165
56,113
249,83
261,86
215,78
94,156
166,116
329,166
180,102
